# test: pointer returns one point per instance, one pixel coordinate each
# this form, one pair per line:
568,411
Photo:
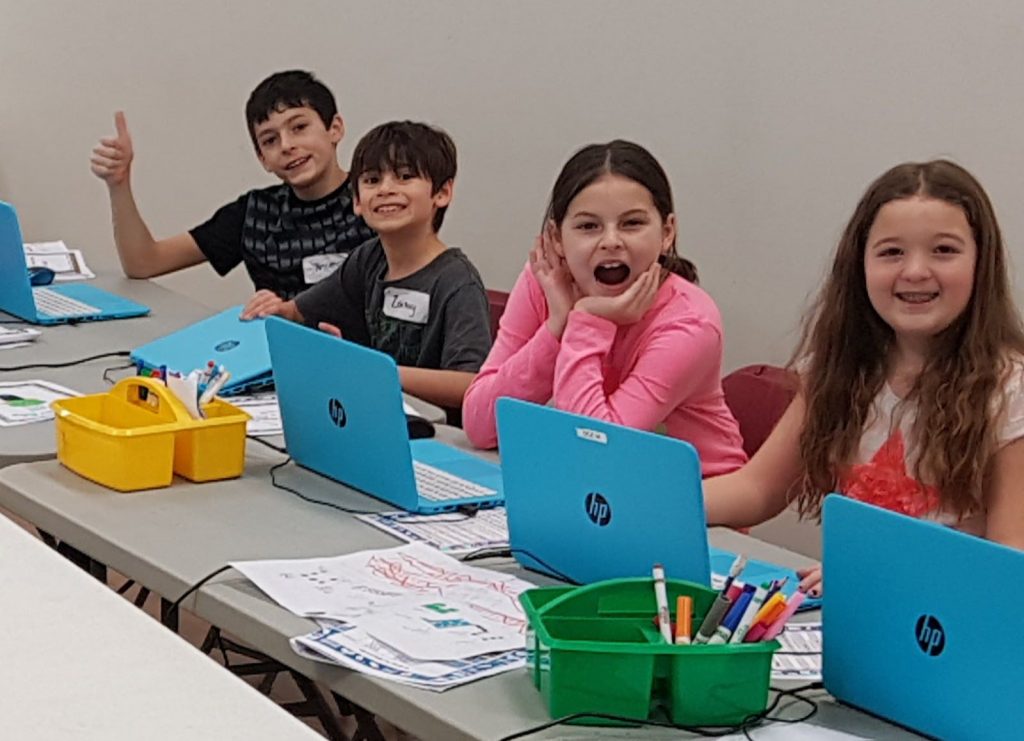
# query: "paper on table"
352,586
795,732
451,532
265,413
353,648
25,402
67,265
799,656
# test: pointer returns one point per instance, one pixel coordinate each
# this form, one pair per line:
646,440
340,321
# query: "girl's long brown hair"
845,346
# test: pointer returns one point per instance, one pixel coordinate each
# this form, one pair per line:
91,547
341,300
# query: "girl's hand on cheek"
551,272
629,306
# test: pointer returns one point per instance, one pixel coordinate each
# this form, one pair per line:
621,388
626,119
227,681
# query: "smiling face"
611,233
919,263
295,145
394,201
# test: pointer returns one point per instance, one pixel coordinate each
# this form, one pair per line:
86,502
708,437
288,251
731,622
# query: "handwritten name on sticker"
594,436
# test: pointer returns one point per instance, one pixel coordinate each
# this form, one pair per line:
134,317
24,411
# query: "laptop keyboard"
52,303
437,485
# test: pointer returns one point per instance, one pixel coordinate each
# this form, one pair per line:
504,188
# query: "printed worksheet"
265,413
450,532
799,656
67,265
25,402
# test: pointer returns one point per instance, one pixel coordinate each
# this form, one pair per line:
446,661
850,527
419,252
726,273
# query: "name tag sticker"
407,305
594,436
317,267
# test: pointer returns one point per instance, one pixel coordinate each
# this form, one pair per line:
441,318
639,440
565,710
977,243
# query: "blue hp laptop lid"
241,347
920,623
57,304
590,500
342,414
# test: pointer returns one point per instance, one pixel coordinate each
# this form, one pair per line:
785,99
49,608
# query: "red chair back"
497,301
758,395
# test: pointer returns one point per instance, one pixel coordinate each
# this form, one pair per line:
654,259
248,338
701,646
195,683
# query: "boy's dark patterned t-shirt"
272,232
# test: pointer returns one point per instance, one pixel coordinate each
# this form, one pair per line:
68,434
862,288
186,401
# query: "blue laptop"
58,304
577,507
342,414
921,623
241,347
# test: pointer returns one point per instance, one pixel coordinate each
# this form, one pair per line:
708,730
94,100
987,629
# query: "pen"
213,388
724,631
712,620
780,622
661,598
737,567
747,619
684,619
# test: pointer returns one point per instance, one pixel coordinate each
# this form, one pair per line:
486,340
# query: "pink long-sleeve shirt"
661,373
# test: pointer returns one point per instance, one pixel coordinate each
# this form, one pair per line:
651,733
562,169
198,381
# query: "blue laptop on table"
590,500
241,347
56,304
922,623
342,414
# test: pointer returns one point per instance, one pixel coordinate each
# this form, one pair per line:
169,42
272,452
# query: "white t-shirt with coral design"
883,473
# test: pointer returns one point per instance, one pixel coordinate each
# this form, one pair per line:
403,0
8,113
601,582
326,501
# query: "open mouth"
388,208
295,164
611,273
917,297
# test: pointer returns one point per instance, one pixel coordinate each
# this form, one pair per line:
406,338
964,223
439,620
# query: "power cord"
339,508
31,366
483,553
261,441
111,369
744,727
177,603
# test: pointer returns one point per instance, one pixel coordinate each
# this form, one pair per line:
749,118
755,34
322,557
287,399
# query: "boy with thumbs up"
289,235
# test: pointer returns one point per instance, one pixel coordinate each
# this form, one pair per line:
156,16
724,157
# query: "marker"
661,599
753,607
712,620
735,570
213,388
684,620
724,631
780,622
770,610
734,591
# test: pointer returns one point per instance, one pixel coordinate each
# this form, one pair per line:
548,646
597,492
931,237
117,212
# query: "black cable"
108,371
743,726
483,553
273,447
114,354
177,603
300,495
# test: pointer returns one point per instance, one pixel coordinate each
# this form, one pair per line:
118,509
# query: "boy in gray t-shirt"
404,293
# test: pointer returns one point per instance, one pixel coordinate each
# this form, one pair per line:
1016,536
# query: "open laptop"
342,414
241,347
57,304
920,623
589,500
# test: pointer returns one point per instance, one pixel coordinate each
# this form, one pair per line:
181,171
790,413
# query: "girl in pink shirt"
597,326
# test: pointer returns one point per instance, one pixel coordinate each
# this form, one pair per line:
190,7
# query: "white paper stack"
410,614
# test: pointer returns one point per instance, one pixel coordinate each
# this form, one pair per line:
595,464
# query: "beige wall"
770,117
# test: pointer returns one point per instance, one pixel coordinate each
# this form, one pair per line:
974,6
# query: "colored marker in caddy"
684,620
724,631
753,607
661,599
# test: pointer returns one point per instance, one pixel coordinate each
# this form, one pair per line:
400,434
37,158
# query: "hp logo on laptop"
598,509
226,345
337,411
931,638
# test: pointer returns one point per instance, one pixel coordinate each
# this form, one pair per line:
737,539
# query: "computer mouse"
419,427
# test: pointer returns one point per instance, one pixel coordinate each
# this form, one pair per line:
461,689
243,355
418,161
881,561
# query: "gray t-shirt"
436,318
